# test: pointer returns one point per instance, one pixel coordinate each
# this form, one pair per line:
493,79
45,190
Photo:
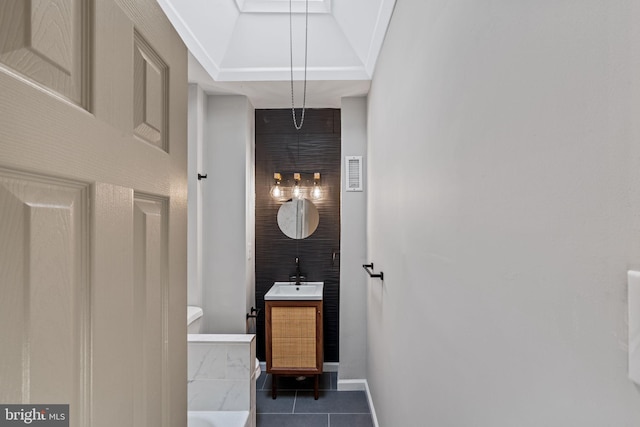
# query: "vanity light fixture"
299,190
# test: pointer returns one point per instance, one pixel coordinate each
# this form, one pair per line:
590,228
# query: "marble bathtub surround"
221,373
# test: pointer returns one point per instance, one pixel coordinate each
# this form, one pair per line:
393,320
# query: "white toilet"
194,319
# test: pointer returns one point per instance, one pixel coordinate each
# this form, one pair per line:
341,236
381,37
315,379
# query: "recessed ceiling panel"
248,40
267,57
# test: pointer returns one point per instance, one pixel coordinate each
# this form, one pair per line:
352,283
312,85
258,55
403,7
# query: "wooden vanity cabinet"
294,340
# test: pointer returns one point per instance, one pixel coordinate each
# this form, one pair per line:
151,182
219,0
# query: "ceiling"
242,47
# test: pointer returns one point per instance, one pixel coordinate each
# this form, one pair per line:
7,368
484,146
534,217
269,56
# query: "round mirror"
298,218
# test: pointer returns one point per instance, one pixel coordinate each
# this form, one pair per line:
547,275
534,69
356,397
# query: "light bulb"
296,192
316,193
276,191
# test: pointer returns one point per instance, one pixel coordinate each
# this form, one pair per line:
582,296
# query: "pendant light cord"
304,94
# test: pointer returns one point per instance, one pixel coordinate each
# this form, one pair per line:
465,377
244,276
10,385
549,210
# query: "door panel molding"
48,43
150,94
44,279
151,309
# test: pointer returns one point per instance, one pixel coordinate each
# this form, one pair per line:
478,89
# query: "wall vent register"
353,165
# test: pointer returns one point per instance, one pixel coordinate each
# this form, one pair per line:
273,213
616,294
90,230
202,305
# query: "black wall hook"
252,315
202,176
369,269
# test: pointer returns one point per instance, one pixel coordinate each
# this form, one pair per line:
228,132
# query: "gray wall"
228,195
353,249
196,123
504,210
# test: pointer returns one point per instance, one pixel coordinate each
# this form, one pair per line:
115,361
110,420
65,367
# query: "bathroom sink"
289,291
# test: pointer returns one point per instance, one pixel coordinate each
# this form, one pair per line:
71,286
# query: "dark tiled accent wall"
315,148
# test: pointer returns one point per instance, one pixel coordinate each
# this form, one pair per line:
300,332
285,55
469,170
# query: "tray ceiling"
248,40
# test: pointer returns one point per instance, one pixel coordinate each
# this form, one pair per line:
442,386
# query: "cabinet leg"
274,386
316,387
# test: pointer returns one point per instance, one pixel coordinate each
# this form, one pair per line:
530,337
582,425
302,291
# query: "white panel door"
93,99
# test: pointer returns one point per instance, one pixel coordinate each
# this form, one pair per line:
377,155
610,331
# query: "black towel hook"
369,269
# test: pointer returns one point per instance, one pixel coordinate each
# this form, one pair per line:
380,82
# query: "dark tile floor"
296,407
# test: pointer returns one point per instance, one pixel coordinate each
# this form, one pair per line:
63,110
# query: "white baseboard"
358,385
352,385
330,366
